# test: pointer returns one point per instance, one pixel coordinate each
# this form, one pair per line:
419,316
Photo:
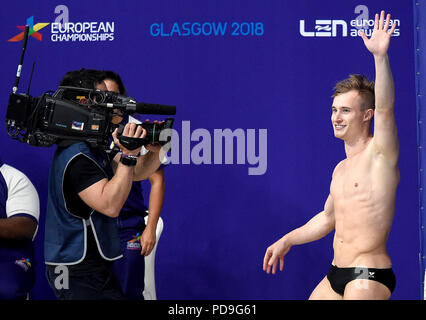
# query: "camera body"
77,114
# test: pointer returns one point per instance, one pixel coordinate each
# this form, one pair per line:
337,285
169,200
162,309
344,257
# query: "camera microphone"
151,108
141,107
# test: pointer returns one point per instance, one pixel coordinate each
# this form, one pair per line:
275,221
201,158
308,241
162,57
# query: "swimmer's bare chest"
352,184
364,183
363,191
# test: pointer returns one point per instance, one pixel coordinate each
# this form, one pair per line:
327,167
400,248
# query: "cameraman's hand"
133,131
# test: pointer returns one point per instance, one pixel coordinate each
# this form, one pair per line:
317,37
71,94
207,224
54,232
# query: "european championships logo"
33,32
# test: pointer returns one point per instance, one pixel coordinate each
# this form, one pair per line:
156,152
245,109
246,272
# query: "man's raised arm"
385,132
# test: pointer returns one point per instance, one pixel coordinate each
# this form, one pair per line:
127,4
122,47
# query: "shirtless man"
361,203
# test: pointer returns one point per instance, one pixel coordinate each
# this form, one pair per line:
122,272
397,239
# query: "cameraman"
86,193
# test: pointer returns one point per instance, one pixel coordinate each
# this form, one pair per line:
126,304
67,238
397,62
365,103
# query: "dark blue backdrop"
218,218
420,72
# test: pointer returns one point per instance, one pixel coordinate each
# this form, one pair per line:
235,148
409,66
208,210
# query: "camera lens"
97,96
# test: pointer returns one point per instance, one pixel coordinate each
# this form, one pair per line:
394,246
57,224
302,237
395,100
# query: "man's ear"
368,114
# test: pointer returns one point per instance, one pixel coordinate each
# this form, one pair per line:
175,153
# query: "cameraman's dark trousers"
91,279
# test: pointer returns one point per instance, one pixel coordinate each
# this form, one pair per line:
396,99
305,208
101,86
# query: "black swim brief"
340,277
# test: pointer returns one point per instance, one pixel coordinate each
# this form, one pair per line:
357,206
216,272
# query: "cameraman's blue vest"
66,234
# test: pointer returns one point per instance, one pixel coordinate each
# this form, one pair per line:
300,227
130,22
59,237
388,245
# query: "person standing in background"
19,216
137,239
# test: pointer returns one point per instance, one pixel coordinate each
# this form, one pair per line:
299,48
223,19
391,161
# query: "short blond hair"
358,83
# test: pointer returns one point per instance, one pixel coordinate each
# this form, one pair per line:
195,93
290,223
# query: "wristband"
128,160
